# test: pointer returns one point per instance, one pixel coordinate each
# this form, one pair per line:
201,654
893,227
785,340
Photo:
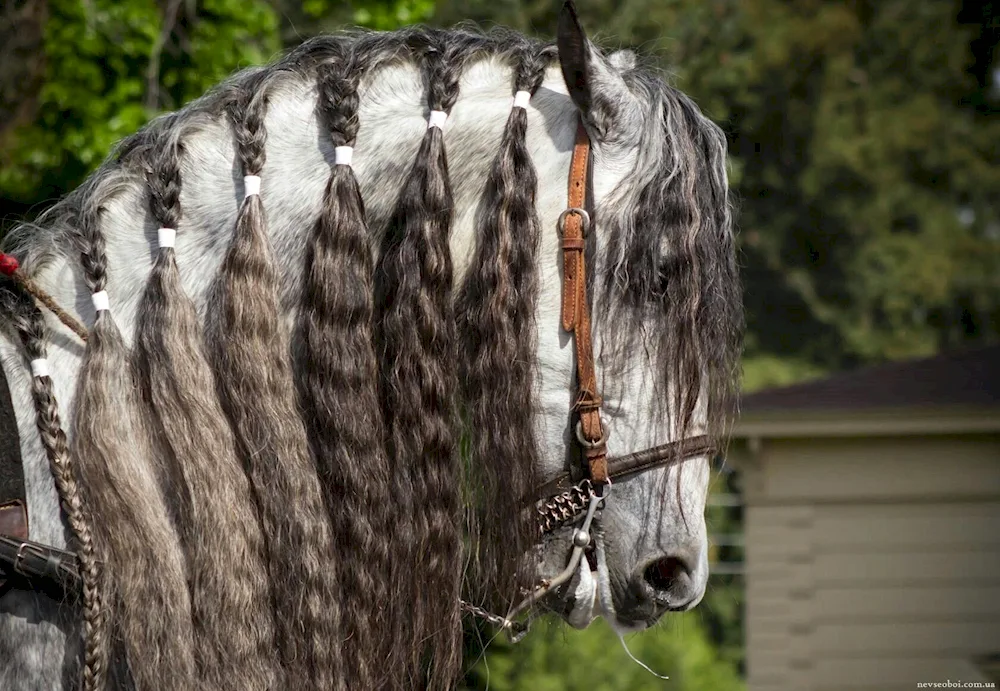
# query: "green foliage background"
864,140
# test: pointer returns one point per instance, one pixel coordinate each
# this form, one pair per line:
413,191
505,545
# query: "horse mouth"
588,596
605,598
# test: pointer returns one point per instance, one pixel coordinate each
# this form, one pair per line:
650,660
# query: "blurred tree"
310,17
105,67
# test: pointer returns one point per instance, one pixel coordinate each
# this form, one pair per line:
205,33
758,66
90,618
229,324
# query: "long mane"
669,281
318,386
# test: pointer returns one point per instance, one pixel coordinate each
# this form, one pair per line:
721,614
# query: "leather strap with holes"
576,312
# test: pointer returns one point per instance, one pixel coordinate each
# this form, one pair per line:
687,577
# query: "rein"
559,501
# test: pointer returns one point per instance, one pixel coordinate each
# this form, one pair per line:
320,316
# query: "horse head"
666,316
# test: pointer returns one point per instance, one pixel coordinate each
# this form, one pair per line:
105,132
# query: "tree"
108,66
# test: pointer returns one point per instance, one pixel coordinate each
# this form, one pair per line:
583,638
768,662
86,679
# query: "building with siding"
872,527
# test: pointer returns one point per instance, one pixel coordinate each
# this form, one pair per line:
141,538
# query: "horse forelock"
668,282
666,273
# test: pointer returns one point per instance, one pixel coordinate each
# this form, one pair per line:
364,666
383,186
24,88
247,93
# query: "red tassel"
8,264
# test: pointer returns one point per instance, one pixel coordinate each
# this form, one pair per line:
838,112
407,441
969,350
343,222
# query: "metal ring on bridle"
604,487
584,219
586,443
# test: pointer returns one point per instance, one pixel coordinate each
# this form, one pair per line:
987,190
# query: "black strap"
11,468
13,501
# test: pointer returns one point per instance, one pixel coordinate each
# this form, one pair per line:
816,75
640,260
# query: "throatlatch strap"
13,500
576,312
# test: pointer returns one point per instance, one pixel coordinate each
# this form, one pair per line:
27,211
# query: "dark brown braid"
217,518
31,329
250,352
417,347
338,378
496,309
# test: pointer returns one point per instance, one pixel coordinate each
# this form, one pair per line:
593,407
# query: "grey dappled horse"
346,345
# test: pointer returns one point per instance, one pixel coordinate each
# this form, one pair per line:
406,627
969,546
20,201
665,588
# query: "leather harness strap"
13,500
574,223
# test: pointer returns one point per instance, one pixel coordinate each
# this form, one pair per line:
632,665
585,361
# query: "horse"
347,361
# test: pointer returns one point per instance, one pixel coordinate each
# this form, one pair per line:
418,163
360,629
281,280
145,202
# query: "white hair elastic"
521,99
343,155
166,236
40,367
100,299
251,185
437,118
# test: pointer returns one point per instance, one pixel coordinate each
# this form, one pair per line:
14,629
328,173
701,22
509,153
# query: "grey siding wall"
871,563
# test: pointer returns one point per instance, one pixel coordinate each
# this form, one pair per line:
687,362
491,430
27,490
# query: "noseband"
561,501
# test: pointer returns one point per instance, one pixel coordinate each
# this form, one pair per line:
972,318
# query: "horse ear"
594,84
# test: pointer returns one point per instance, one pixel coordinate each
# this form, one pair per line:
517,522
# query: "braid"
417,360
250,352
132,526
496,317
31,329
339,390
230,592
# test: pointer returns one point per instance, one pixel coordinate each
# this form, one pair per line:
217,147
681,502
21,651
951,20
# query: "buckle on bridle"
586,443
584,220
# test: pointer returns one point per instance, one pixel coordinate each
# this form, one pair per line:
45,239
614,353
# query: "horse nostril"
674,582
666,575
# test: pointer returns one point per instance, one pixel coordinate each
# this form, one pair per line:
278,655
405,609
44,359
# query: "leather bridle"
591,433
561,501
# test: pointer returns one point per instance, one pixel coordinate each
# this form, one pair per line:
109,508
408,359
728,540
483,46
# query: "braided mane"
278,462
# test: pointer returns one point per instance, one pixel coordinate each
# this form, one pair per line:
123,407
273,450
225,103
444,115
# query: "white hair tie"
100,299
251,185
166,236
521,99
437,118
40,367
343,155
